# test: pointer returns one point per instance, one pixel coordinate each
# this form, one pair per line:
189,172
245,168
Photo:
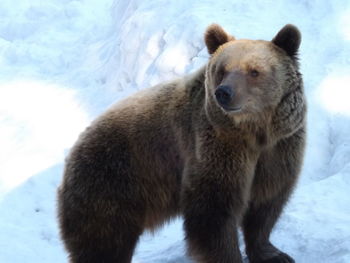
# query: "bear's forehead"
245,54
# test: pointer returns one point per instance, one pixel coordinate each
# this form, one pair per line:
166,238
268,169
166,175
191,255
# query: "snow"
64,61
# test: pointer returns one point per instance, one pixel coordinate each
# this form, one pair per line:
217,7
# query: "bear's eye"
254,73
220,74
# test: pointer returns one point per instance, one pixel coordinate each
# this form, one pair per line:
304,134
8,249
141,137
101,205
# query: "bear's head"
247,77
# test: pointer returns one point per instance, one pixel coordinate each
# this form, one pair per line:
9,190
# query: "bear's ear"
288,38
216,36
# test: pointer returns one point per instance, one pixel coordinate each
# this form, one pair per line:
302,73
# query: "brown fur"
173,150
215,36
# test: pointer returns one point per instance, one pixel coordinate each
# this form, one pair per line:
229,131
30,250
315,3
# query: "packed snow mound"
64,61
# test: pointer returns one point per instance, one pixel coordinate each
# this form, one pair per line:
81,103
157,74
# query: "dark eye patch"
220,73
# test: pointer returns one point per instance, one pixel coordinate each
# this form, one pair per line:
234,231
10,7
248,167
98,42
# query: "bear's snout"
224,95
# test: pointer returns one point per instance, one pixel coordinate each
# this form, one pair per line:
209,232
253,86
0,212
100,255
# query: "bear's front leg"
275,177
214,196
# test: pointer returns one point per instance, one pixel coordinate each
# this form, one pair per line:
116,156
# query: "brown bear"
222,147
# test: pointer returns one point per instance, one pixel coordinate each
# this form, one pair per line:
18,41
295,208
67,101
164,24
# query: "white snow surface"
62,62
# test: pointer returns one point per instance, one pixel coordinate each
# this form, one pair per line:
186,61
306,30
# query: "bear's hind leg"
107,239
99,226
100,207
106,251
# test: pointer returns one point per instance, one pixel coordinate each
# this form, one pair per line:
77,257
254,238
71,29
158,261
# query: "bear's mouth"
232,109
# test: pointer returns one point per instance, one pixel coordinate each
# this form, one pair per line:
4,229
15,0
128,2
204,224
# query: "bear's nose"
224,95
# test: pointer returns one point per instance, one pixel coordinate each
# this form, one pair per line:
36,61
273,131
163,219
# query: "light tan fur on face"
260,94
245,55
